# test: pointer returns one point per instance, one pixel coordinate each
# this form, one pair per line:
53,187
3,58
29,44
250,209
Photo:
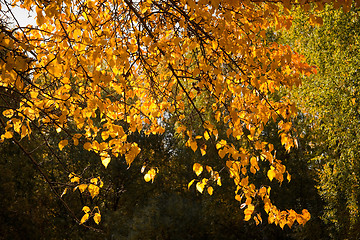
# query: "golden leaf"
97,218
8,135
271,173
86,209
87,146
210,190
190,183
84,218
150,175
8,113
206,135
82,187
198,168
105,161
200,187
94,190
62,144
75,179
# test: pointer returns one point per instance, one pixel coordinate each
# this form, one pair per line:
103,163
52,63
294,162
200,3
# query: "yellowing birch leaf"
94,190
198,168
87,146
75,179
8,113
62,144
210,190
84,218
190,183
150,175
288,177
106,161
97,218
206,135
200,187
8,135
64,192
193,145
86,209
271,173
203,150
82,187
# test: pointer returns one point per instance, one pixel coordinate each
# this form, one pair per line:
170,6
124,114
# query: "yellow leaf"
200,187
64,192
94,181
245,181
256,220
8,135
105,135
288,177
206,135
210,190
97,218
62,144
76,141
150,175
219,181
86,209
94,190
82,187
190,183
259,217
220,144
84,218
271,173
8,113
87,146
193,145
203,150
106,161
223,152
198,168
249,210
75,179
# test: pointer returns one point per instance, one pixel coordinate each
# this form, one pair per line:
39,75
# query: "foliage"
98,74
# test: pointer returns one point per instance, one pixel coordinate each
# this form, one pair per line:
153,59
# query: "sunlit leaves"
95,213
98,87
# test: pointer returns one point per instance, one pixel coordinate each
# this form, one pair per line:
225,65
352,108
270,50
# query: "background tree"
330,101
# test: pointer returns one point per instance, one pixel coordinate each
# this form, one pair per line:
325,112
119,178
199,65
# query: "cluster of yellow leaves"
93,186
95,214
205,182
113,70
150,175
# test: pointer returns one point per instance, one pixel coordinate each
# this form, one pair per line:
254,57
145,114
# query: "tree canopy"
100,74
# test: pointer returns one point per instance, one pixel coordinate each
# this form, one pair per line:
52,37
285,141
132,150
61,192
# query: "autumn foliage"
96,72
